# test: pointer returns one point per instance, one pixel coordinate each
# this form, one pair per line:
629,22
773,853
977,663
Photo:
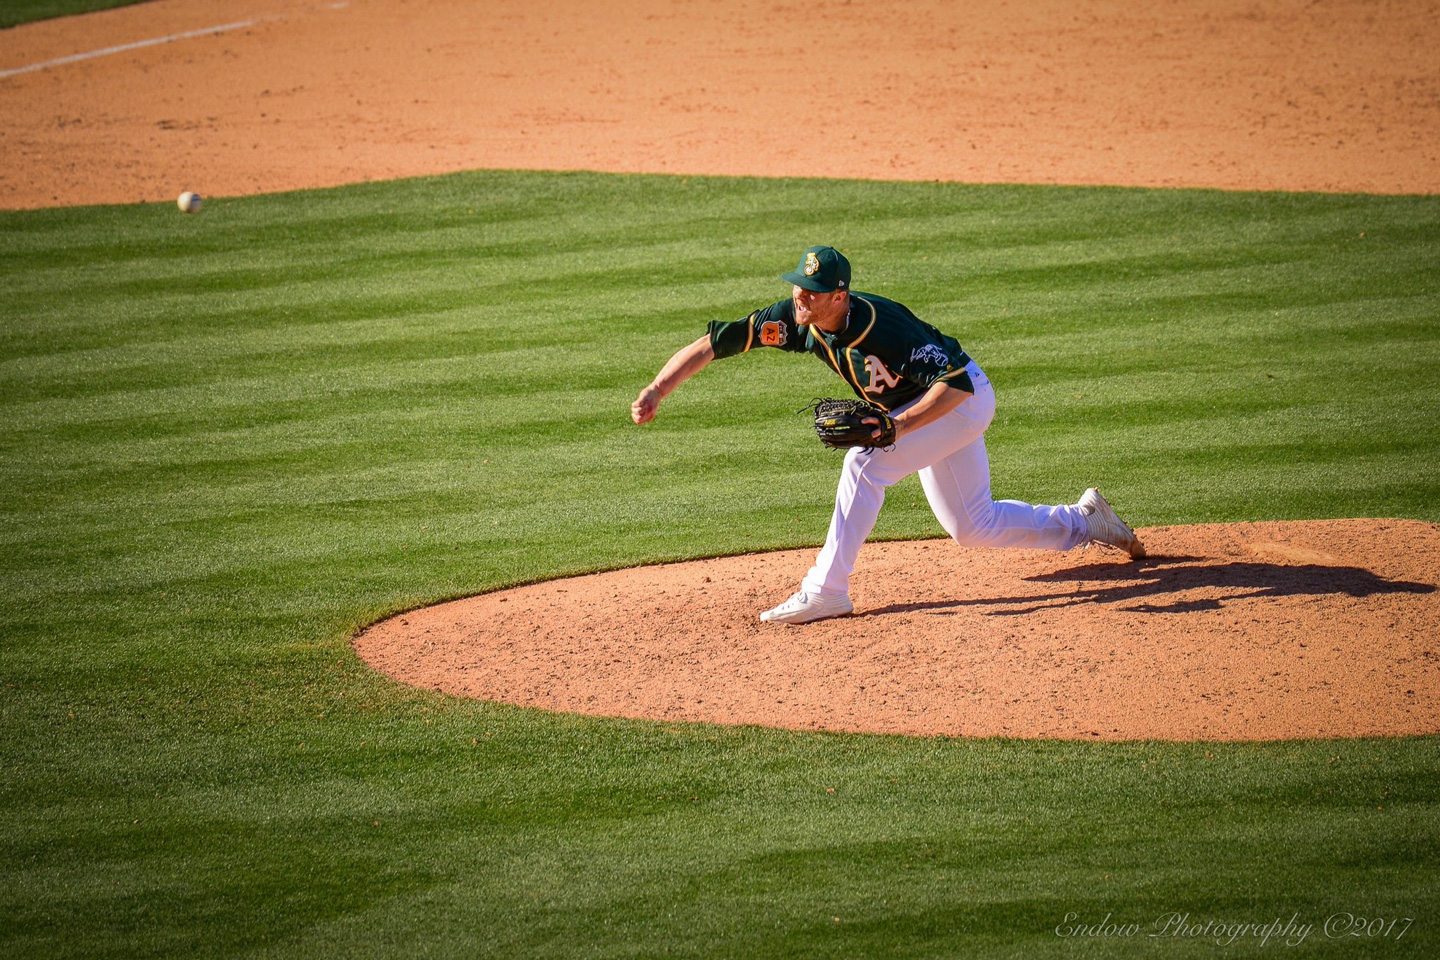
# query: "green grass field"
230,440
15,12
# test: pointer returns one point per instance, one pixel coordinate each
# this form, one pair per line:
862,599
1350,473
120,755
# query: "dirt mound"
1287,95
1253,631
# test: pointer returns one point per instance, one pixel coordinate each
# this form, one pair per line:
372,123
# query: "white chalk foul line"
128,46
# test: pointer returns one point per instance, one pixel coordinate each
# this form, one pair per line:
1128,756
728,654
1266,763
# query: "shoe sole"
766,618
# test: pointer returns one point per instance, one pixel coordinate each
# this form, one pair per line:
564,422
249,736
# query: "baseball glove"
841,424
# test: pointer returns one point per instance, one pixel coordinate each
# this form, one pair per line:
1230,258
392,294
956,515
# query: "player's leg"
865,476
958,488
868,473
957,484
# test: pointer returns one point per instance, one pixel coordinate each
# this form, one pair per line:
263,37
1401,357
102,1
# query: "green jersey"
886,354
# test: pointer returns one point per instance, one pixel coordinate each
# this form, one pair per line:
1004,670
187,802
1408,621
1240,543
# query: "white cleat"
803,607
1106,527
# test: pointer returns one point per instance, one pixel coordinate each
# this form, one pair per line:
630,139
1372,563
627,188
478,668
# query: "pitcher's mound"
1253,631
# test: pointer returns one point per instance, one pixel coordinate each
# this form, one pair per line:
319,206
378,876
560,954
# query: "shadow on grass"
1157,583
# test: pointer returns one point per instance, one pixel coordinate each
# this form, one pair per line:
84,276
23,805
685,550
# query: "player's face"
824,310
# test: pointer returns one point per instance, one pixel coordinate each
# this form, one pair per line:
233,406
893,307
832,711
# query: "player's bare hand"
645,405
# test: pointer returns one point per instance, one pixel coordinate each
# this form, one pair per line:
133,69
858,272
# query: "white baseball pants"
949,455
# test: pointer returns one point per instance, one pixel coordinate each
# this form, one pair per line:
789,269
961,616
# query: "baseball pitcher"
927,406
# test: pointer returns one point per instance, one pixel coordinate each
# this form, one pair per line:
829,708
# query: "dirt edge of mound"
1249,631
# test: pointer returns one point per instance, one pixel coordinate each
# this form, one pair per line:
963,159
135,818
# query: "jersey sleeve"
770,327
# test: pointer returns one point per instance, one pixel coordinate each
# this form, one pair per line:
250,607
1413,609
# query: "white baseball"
189,202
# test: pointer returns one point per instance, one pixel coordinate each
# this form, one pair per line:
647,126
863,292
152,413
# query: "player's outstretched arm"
687,361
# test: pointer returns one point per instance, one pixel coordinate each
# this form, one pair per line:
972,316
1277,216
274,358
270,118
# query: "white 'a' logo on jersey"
881,378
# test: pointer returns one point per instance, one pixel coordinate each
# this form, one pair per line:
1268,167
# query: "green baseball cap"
822,269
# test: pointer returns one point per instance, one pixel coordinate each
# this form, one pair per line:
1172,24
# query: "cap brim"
807,283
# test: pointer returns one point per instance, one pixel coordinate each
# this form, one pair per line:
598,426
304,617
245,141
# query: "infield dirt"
1289,95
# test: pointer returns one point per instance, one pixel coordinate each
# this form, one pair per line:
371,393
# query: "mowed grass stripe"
231,439
16,12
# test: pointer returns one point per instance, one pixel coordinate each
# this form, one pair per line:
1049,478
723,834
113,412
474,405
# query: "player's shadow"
1156,585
